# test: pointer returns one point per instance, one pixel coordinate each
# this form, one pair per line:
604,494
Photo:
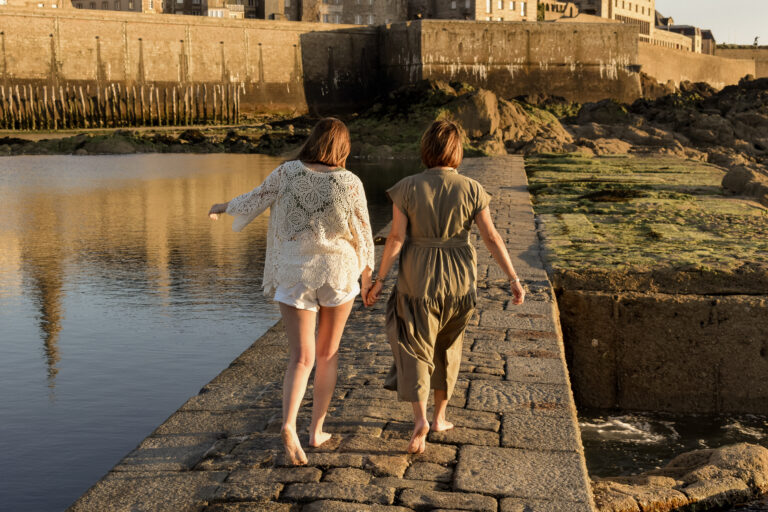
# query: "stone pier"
516,446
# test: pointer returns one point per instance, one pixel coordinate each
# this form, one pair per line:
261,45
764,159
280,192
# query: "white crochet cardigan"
319,230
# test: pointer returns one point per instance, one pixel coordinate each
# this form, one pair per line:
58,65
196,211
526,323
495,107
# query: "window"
151,5
487,18
93,5
512,5
501,19
179,1
488,7
196,2
522,9
130,5
453,4
501,4
5,2
117,5
358,19
370,19
287,4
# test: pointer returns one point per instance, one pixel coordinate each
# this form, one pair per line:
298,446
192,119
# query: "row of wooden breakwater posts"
51,107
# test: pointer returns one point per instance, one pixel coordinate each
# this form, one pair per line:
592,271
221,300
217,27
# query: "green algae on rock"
622,212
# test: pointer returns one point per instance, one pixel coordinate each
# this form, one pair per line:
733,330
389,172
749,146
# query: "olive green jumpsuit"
435,294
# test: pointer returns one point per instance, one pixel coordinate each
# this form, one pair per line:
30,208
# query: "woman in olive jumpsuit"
435,294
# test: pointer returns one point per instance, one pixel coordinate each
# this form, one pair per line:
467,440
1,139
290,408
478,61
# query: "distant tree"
756,40
540,12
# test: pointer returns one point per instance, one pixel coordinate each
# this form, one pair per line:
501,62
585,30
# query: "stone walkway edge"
516,446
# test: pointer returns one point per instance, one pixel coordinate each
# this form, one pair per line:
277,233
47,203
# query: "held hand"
216,209
373,294
518,292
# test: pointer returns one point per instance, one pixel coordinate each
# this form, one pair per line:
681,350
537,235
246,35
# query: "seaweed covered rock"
705,479
743,180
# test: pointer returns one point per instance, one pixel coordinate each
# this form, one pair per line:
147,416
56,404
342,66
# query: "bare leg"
439,423
418,441
329,330
300,328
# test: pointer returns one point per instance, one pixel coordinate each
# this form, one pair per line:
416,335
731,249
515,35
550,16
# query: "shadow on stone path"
516,446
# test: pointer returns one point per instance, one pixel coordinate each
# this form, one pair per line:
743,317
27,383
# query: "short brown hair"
441,145
328,144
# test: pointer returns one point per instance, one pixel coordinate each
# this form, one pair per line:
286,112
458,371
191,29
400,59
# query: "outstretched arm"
248,206
392,248
495,245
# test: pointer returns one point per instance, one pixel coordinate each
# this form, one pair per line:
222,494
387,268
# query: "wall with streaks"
581,62
255,65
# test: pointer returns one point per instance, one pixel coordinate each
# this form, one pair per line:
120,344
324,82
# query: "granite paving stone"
537,432
553,399
535,369
547,475
343,492
429,471
419,498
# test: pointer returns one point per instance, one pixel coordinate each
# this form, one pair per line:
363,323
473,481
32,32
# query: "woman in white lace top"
318,244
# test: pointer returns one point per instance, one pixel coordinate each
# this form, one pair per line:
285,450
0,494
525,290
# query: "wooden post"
86,124
142,106
3,119
175,107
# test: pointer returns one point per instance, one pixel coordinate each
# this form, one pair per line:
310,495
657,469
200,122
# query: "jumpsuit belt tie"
439,243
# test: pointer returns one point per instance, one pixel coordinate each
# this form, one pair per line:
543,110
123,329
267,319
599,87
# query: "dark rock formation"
702,480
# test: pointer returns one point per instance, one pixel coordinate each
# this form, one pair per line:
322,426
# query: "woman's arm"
360,226
495,245
392,248
250,205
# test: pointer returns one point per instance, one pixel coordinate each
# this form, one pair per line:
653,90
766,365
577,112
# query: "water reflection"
41,254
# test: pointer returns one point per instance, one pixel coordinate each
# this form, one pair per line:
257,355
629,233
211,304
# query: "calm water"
119,299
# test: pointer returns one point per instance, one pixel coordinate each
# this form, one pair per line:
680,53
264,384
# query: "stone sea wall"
580,62
665,64
81,68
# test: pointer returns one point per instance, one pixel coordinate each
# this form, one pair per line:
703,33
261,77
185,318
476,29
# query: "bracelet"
377,279
515,280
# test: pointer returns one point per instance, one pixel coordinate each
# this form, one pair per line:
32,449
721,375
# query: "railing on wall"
52,107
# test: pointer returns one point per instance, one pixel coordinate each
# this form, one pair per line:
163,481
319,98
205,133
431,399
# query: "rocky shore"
699,480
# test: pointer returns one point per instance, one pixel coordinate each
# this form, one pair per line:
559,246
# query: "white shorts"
301,297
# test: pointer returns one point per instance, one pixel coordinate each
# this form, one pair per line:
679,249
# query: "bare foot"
316,440
293,451
441,425
419,438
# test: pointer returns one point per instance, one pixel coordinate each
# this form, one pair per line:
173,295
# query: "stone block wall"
279,65
668,64
758,55
581,62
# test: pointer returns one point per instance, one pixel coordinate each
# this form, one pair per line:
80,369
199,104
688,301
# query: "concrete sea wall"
580,62
693,346
80,68
275,65
667,64
758,55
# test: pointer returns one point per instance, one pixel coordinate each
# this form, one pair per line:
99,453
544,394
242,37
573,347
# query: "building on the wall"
634,12
691,32
213,8
555,9
146,6
480,10
353,12
708,42
37,4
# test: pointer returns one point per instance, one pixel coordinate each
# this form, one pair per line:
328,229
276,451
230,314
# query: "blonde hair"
441,145
328,143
